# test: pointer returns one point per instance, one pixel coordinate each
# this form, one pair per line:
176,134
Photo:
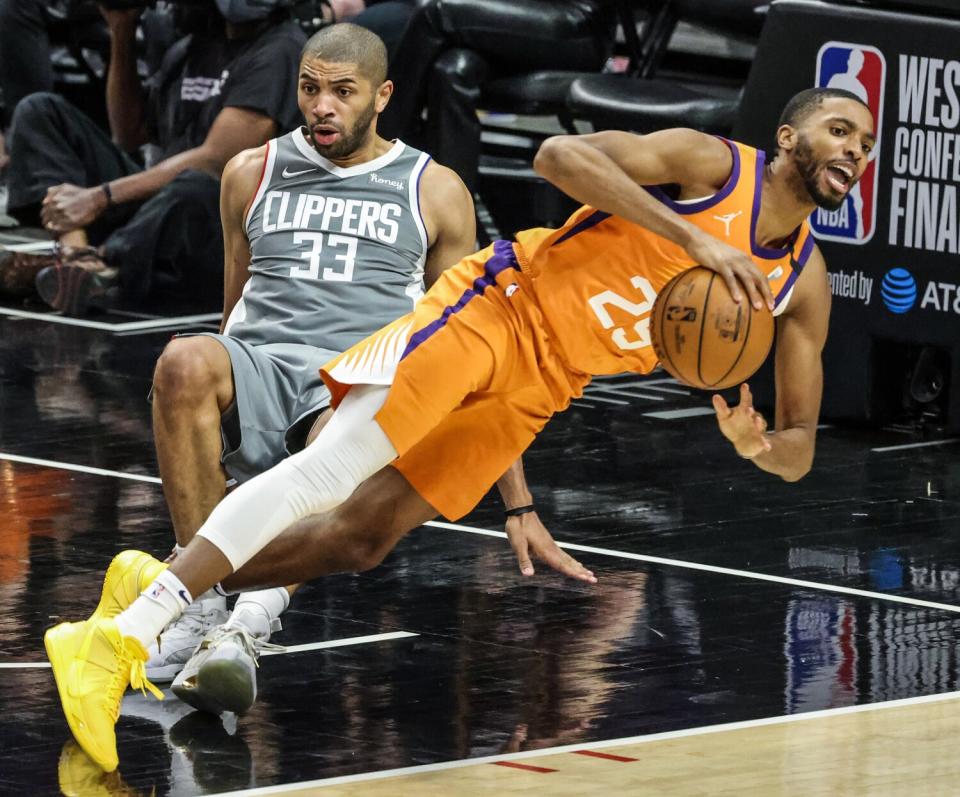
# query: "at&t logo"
898,290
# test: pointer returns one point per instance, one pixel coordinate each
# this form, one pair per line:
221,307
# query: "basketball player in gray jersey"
330,232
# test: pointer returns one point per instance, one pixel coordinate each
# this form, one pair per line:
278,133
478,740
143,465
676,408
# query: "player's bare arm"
528,536
801,335
449,217
241,176
607,171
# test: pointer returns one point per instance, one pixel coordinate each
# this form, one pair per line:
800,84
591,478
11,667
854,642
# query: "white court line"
621,391
690,412
339,643
590,395
653,386
30,245
209,325
571,546
331,643
49,463
727,571
572,748
124,326
918,445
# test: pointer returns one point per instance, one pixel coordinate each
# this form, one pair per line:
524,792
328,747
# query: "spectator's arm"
339,10
234,130
125,95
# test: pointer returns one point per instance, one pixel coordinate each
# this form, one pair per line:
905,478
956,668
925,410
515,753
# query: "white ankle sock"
253,606
158,605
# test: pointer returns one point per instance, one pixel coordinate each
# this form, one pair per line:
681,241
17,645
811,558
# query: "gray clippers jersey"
336,253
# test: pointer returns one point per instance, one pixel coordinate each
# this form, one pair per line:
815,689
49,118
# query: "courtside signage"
862,70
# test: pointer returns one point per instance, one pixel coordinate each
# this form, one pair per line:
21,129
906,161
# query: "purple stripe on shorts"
503,257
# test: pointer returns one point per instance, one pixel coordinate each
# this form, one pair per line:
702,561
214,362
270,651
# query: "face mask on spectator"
238,11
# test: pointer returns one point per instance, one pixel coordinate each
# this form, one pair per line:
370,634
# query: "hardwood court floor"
725,596
891,751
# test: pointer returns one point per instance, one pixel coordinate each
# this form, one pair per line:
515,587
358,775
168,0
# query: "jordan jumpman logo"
727,219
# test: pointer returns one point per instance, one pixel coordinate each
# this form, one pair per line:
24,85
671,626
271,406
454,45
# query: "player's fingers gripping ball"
704,338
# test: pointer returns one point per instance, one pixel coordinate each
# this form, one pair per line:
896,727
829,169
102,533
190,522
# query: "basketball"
703,337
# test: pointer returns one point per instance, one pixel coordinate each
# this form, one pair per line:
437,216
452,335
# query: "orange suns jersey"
597,276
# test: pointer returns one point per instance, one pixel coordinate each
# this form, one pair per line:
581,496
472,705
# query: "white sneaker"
177,643
222,673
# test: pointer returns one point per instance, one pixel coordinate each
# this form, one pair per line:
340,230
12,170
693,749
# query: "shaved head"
345,43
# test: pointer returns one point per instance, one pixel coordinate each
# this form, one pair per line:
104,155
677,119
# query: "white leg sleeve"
348,450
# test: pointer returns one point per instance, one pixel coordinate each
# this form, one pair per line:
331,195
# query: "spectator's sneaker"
222,674
181,638
129,574
93,665
78,282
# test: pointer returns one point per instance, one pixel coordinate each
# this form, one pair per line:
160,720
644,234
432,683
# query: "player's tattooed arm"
608,171
801,335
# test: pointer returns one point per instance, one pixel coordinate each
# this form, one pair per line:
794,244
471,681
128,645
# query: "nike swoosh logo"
287,174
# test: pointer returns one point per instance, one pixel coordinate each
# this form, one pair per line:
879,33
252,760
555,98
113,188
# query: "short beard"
808,168
348,143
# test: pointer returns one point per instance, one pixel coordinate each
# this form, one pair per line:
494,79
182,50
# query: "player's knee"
183,373
366,545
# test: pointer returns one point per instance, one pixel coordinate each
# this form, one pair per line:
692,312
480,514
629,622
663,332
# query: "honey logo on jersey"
861,70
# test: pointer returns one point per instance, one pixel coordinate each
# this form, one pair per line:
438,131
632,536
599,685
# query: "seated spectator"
452,47
224,87
25,65
386,18
29,32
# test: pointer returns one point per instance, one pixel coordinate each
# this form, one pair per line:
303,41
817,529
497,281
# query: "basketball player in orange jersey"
433,408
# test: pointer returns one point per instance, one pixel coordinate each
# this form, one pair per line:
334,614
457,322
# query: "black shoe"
75,286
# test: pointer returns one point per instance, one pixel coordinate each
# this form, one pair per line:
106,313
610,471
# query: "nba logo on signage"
859,69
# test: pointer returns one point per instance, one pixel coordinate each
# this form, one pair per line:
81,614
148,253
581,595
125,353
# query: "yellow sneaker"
93,664
80,777
129,574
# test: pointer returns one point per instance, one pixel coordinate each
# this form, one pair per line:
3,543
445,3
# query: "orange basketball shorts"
473,379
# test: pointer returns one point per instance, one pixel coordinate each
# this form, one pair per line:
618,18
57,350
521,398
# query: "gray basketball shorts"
278,394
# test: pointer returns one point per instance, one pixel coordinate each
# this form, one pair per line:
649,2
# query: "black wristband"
519,510
105,187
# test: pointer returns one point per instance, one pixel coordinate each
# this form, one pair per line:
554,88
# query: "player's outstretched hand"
742,425
529,537
737,270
